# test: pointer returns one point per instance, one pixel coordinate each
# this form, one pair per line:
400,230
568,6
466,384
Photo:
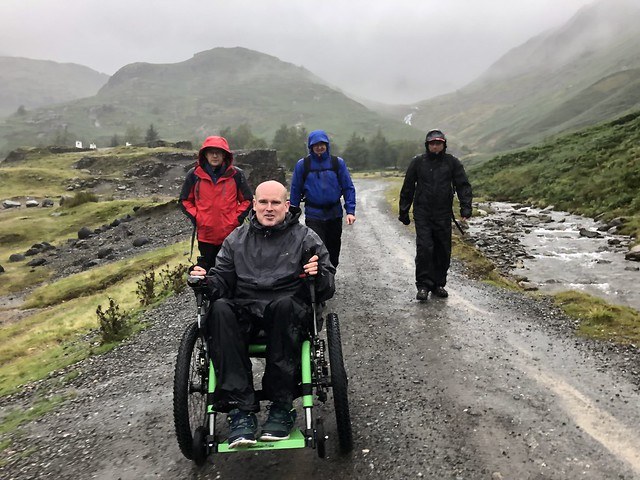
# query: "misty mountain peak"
593,28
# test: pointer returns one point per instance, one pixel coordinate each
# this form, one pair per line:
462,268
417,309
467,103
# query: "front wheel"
190,392
339,384
320,439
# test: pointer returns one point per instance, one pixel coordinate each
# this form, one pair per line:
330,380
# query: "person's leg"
287,321
208,254
333,241
424,254
441,255
318,226
228,346
234,393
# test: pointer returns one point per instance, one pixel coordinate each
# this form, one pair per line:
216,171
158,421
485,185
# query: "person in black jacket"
429,184
257,283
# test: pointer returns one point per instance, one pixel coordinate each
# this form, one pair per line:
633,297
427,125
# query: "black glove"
404,218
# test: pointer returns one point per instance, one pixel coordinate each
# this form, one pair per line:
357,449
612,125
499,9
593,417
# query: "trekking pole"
457,224
306,255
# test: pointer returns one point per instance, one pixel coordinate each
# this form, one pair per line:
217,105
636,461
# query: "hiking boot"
422,295
279,423
243,426
440,292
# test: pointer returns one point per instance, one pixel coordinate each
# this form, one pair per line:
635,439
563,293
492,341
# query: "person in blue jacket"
321,180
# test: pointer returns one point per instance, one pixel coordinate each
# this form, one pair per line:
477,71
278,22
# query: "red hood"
217,142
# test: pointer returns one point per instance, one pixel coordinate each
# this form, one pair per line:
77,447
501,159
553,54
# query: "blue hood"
318,136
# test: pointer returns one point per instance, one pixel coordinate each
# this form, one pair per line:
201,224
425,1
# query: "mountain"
218,88
593,171
585,72
35,83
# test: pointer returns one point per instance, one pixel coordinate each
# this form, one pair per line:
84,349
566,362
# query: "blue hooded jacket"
323,188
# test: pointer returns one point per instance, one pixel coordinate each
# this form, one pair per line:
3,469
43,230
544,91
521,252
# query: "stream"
553,251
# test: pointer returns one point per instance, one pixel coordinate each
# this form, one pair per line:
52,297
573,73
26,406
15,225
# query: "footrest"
295,440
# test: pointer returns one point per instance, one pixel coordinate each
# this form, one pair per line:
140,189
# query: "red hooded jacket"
215,207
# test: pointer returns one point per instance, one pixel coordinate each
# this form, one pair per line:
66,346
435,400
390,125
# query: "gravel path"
485,384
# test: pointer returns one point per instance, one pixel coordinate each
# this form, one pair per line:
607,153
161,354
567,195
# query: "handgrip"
194,280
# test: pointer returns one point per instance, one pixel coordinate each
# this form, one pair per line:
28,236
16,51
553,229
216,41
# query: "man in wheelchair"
259,283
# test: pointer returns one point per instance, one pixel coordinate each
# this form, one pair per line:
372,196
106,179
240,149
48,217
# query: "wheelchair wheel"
320,439
190,393
339,384
200,445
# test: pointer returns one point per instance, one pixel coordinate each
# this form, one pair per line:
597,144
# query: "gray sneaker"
422,295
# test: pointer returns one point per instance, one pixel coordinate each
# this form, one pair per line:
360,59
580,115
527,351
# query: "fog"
396,51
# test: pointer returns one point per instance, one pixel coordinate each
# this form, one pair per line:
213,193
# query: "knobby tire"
339,384
189,407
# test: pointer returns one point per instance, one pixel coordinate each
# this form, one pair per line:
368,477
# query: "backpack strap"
335,166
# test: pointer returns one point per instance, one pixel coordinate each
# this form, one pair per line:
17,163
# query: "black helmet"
435,135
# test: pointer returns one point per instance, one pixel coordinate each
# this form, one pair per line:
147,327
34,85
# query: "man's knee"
287,309
222,312
284,304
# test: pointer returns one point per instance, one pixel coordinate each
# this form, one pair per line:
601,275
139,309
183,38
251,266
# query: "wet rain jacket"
323,187
258,264
217,206
429,184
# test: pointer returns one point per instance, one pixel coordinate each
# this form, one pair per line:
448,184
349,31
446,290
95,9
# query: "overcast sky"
394,51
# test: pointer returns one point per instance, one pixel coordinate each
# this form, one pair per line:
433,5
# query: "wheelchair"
195,381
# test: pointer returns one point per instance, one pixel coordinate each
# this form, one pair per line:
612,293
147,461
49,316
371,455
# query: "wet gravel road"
486,384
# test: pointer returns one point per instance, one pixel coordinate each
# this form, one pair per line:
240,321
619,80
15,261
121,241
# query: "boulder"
89,264
84,232
105,252
47,202
588,233
44,246
32,203
633,254
16,257
36,262
1,269
11,204
140,241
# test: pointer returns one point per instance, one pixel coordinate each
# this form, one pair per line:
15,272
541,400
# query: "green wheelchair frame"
195,381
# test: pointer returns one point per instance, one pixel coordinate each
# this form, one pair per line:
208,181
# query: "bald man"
257,285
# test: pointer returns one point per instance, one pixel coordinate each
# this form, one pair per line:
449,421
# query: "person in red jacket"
216,197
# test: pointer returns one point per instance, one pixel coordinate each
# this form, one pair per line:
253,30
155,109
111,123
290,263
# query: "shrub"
114,325
173,279
146,290
79,198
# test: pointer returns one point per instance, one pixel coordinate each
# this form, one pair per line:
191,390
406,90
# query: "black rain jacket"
258,264
430,183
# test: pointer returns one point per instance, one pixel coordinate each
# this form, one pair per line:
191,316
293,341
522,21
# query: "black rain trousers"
433,252
231,328
330,232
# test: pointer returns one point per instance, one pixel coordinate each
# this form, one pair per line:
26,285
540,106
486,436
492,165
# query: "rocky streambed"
552,251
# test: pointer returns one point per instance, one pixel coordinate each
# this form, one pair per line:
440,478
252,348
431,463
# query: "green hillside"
219,88
581,74
36,83
595,171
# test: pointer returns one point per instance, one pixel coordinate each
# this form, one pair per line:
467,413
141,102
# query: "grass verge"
599,319
64,330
